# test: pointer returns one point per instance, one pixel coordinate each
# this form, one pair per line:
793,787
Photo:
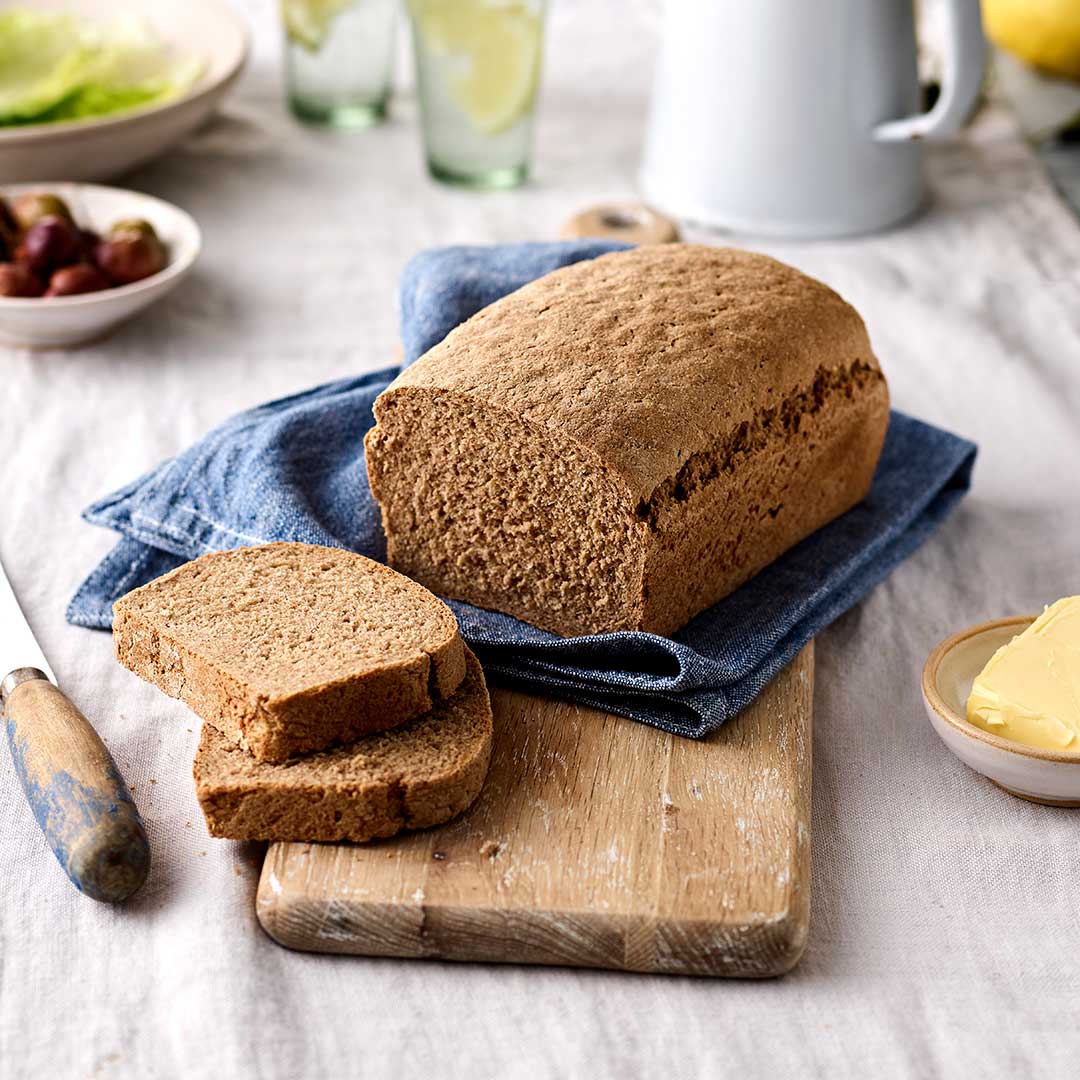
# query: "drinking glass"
478,72
339,59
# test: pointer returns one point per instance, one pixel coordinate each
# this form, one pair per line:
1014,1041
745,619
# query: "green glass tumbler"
339,57
478,74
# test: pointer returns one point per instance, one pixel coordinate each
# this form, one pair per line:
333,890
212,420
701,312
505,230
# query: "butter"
1029,691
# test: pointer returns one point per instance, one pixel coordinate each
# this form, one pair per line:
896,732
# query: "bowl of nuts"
76,260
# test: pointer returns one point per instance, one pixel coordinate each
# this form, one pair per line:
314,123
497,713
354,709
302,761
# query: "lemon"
307,22
1044,33
492,50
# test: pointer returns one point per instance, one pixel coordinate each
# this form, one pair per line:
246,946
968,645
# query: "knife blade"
69,778
18,646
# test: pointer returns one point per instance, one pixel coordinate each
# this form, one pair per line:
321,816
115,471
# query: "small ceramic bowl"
1042,776
64,321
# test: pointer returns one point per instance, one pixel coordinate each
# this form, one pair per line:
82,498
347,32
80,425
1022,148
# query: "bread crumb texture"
621,443
418,775
288,648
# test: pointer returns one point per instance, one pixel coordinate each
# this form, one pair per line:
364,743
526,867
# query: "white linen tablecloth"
946,914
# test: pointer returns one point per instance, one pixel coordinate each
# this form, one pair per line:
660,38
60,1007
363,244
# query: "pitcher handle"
964,60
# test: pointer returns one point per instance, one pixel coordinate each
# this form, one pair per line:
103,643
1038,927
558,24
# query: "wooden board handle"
77,794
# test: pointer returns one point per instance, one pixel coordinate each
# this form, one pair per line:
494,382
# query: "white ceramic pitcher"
799,118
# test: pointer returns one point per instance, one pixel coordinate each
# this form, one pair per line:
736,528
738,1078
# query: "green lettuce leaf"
57,67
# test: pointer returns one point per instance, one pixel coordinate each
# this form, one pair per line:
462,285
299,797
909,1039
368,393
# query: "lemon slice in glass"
492,49
307,22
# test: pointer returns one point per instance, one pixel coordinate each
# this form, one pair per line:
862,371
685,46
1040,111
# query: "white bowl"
63,321
100,149
1043,776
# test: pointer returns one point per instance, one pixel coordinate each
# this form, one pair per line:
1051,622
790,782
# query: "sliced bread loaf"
622,442
418,775
289,648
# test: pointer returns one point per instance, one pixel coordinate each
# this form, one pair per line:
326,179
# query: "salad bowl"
207,33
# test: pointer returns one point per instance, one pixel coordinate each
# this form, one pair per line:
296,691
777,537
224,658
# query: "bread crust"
723,404
200,651
416,776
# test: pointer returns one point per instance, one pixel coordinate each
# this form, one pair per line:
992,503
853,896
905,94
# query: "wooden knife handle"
77,794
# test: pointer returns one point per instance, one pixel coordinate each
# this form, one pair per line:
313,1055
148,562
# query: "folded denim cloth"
293,470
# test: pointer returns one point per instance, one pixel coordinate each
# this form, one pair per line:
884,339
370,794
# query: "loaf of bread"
621,443
289,648
419,775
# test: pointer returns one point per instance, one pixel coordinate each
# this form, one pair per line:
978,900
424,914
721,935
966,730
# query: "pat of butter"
1029,691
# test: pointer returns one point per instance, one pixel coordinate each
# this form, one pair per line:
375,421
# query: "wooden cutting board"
596,842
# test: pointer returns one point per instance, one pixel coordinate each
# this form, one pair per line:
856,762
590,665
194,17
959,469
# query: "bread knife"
73,786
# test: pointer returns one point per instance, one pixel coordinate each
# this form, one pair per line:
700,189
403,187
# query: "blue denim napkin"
293,469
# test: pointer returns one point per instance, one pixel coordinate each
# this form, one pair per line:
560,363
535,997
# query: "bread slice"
289,648
419,775
621,443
